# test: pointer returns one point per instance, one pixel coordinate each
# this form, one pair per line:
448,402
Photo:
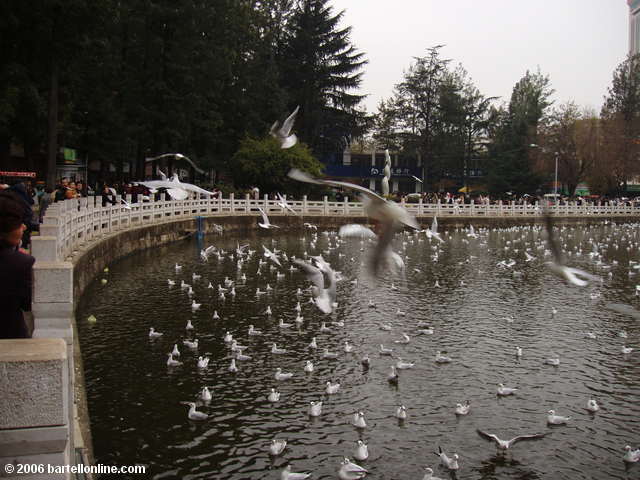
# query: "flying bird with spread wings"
282,133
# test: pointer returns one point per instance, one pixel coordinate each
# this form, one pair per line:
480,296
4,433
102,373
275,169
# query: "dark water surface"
134,398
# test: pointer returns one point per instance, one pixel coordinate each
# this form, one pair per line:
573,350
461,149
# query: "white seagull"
265,221
287,474
276,447
448,462
507,444
574,276
504,391
592,405
324,282
631,455
463,409
193,413
362,451
350,471
553,419
153,333
315,409
282,133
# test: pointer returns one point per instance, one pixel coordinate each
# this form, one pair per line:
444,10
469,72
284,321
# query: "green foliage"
262,163
511,167
620,117
140,78
437,114
321,72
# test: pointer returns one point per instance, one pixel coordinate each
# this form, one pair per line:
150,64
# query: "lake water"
479,314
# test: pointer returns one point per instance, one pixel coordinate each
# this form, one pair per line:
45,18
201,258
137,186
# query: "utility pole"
555,185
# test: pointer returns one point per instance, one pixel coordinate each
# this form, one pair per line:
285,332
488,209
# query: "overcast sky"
578,43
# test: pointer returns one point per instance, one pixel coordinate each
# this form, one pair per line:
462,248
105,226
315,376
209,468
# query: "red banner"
18,174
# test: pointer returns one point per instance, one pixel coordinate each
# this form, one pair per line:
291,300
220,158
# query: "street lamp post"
555,185
555,181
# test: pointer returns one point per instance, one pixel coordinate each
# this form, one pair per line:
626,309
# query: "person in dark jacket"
61,190
20,191
45,200
16,269
107,196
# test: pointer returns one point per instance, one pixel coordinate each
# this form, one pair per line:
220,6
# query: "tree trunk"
52,143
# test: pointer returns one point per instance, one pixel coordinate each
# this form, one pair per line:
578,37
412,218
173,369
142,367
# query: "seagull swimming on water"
504,391
592,406
448,462
463,409
193,413
287,474
153,333
351,471
315,409
362,451
276,447
631,455
428,475
553,419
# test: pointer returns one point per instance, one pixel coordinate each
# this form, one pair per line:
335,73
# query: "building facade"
634,26
366,169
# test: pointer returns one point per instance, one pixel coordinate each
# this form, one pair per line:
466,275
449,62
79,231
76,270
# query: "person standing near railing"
107,196
16,269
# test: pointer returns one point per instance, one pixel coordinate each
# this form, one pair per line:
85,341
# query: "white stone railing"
71,224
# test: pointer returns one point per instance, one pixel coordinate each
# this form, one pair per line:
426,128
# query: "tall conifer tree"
321,71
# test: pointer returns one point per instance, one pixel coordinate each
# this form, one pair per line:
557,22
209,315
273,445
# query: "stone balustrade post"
247,203
36,412
304,205
345,205
325,201
232,202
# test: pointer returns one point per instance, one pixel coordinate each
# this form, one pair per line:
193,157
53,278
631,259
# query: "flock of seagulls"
385,259
322,296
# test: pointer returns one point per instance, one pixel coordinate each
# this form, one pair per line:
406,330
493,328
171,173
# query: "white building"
634,26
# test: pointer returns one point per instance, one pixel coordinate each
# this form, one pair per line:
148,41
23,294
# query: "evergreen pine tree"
321,69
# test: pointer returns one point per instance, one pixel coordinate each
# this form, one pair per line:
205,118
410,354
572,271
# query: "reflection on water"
479,314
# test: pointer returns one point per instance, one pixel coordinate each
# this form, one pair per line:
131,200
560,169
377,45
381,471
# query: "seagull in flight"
376,206
282,203
389,214
271,256
324,282
433,231
383,256
283,133
175,188
572,275
265,221
507,444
